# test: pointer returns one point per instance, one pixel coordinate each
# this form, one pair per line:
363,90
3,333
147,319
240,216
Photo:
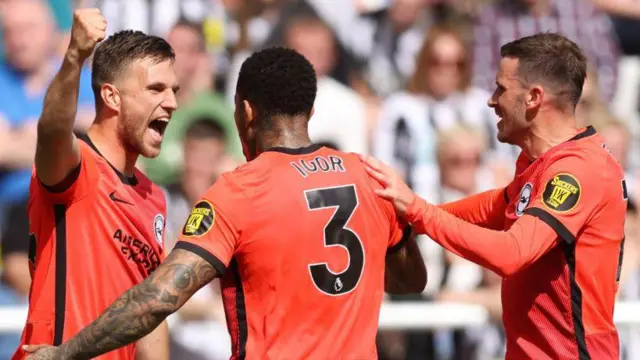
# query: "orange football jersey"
300,239
559,250
93,241
562,305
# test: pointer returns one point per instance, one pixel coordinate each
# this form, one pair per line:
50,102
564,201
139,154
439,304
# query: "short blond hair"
452,135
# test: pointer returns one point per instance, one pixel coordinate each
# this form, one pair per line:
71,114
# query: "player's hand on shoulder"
394,188
42,352
88,29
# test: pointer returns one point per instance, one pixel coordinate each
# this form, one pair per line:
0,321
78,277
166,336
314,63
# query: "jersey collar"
589,131
133,181
296,151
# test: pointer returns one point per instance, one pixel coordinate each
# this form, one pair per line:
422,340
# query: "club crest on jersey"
158,228
524,199
200,220
561,193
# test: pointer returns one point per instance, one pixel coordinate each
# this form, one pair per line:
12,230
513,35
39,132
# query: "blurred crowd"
405,80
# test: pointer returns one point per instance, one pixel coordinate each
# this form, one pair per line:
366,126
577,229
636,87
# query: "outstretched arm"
503,252
139,310
485,209
529,238
57,153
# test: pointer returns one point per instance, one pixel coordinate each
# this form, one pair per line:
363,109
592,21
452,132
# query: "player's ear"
535,97
110,97
313,109
249,113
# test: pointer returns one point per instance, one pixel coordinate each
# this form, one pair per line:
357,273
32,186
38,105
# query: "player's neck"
110,146
289,136
289,141
552,131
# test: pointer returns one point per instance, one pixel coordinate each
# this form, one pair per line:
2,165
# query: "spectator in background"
30,43
591,105
339,112
197,100
396,42
463,173
618,140
630,281
384,35
484,342
579,20
155,17
204,157
30,64
438,98
15,278
199,331
15,247
62,13
251,25
193,65
459,157
625,15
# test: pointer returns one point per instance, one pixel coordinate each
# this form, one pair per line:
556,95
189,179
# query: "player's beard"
513,123
132,137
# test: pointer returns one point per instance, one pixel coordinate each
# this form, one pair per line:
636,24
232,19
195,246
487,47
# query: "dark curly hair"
117,52
278,81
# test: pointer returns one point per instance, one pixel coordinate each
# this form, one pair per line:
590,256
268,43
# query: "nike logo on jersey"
113,197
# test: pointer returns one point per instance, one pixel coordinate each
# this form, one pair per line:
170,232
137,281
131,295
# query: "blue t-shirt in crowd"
17,107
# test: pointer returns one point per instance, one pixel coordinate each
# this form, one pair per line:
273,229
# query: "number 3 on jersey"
336,233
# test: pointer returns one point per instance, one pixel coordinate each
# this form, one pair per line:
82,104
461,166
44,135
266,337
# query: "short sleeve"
397,229
567,195
212,230
78,184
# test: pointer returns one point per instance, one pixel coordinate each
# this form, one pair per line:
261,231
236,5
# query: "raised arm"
57,153
138,311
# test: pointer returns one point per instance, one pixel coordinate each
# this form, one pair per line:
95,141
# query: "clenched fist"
89,28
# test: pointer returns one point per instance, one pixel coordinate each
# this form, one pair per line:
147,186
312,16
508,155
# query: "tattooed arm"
139,310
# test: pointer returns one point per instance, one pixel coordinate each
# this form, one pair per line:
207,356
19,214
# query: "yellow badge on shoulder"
200,220
561,193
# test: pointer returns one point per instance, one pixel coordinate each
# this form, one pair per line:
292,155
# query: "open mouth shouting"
157,127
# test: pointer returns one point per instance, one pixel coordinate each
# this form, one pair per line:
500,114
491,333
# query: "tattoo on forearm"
141,309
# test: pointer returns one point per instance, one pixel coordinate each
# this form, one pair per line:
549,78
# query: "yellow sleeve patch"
200,220
561,193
